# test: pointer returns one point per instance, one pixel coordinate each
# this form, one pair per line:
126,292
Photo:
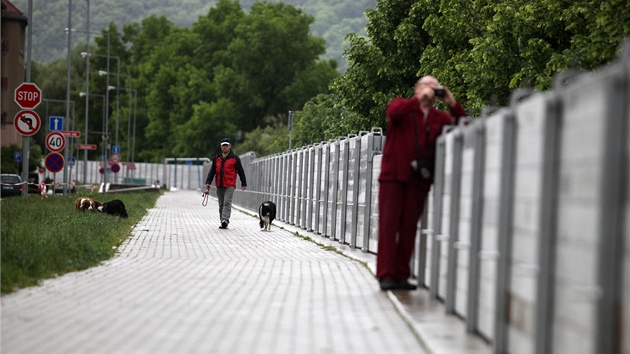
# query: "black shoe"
223,225
405,285
387,285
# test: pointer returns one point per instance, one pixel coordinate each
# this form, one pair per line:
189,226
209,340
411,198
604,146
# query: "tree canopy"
481,50
236,73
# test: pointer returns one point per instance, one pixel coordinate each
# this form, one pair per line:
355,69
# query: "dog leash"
204,201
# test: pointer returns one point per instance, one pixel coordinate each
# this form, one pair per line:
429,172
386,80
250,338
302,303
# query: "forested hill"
333,19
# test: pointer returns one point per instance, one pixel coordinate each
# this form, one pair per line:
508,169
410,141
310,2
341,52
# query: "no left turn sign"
27,122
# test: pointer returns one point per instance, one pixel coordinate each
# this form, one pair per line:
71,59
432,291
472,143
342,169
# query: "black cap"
226,141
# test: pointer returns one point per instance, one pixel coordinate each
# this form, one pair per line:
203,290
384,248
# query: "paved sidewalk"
182,285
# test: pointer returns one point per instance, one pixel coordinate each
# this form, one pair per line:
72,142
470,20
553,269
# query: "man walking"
225,166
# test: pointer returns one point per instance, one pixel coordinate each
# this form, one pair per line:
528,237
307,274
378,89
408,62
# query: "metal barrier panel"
288,183
354,222
324,189
342,189
578,286
372,244
444,236
489,251
453,219
316,188
349,182
333,190
364,176
436,216
530,117
299,179
310,192
581,150
427,240
462,244
296,191
476,219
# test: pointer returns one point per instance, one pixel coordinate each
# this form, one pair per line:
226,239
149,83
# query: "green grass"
43,238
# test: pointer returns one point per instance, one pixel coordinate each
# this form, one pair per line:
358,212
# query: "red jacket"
226,170
400,148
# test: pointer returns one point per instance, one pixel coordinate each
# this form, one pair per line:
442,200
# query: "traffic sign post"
54,162
27,122
115,158
55,123
86,146
71,134
55,141
28,95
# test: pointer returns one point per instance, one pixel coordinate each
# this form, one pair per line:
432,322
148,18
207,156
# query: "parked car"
11,185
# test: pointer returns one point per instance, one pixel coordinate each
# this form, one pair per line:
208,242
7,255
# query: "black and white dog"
266,213
114,207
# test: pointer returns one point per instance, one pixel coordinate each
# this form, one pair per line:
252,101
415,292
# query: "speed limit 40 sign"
55,141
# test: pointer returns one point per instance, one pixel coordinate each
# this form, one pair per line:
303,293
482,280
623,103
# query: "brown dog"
87,203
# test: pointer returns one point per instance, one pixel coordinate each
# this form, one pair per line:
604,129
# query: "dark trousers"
400,205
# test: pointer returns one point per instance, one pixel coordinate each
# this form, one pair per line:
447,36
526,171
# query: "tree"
271,48
386,64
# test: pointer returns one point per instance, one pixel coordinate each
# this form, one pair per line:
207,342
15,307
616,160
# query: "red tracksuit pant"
400,206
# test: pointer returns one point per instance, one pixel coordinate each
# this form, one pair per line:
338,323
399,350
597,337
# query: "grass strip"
43,238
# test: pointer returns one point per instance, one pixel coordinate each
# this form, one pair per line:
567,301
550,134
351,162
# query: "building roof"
11,12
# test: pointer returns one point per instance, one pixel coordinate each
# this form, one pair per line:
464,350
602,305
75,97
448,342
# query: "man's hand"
207,189
448,98
244,187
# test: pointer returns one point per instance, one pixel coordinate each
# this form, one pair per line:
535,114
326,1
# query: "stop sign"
28,95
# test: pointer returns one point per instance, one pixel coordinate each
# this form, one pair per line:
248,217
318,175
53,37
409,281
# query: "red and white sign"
27,123
71,134
54,162
115,158
129,165
28,95
55,141
86,146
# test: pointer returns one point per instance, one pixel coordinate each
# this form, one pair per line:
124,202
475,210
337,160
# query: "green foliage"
9,166
237,70
226,74
63,239
334,19
481,50
273,138
323,119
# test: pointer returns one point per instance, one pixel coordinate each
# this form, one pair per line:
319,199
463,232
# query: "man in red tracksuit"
225,166
413,126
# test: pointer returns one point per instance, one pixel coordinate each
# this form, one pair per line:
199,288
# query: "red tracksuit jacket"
400,148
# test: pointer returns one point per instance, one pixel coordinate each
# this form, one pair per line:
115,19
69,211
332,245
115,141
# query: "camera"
422,169
439,92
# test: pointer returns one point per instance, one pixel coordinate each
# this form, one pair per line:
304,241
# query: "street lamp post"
290,126
87,90
86,95
87,56
130,90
